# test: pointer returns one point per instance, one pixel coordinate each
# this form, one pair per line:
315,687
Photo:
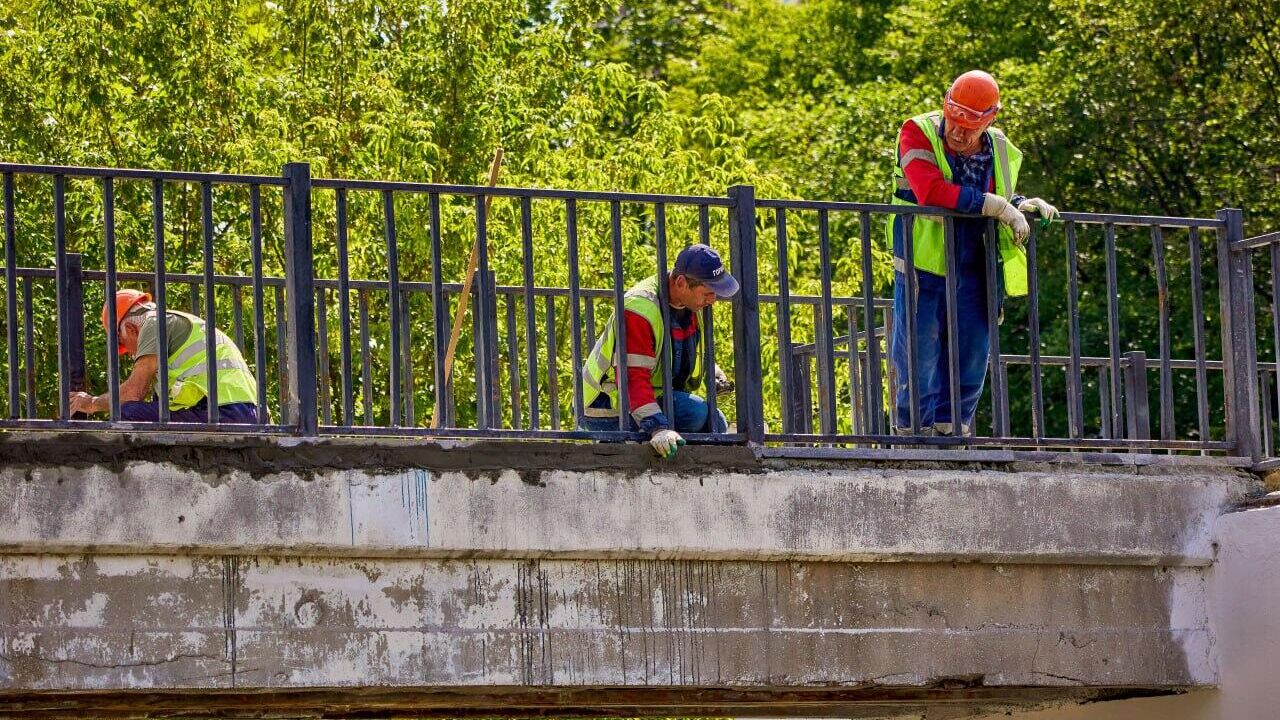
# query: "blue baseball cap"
703,264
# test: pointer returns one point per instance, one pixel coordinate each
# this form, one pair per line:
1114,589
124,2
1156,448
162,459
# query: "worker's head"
132,306
969,109
699,278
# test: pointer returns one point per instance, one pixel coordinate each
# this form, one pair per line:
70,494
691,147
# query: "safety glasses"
968,115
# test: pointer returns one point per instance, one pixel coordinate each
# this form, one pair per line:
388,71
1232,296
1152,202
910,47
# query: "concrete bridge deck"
253,577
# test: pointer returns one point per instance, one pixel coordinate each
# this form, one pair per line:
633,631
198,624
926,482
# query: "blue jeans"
932,373
690,416
140,411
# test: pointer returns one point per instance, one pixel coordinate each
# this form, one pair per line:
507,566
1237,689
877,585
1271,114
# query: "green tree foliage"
1143,106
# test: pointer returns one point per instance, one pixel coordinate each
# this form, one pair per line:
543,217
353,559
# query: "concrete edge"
388,552
263,454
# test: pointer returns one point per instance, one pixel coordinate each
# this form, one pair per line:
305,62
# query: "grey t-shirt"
177,330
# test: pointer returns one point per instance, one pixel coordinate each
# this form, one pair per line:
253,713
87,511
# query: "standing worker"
954,159
187,363
696,281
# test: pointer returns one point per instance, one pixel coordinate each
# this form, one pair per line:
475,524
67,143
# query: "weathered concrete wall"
1243,588
505,579
1160,515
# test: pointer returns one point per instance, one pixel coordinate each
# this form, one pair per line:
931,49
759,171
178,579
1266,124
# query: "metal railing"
823,379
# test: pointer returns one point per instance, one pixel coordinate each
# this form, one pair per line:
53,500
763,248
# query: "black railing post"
1239,353
1138,407
299,275
72,288
746,313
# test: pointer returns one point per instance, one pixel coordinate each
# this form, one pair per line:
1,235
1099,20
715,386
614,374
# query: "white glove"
1036,205
666,443
997,207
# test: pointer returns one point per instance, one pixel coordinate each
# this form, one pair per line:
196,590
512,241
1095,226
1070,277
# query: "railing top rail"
138,174
406,285
1076,217
1271,238
519,192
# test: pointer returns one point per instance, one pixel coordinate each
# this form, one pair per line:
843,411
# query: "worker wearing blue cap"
697,280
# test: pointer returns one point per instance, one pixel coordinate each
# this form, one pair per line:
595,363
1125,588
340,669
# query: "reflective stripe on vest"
598,370
188,370
927,233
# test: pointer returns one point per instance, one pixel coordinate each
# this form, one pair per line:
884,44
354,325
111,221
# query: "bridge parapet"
143,575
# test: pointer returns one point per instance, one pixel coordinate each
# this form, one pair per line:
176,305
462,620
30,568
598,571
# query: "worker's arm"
642,358
135,387
926,178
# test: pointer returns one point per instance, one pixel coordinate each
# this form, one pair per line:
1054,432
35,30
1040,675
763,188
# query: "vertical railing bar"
1104,401
194,289
1075,383
237,316
820,371
875,384
1239,337
1004,405
704,224
282,358
1197,324
1274,252
494,355
1264,386
259,302
530,307
11,296
909,273
1033,332
826,352
299,274
28,346
575,302
344,306
393,307
553,369
664,306
109,292
322,347
619,317
783,306
707,320
952,298
487,336
513,364
856,419
1168,430
63,312
366,367
439,314
999,390
406,345
481,376
210,316
162,332
1113,330
744,263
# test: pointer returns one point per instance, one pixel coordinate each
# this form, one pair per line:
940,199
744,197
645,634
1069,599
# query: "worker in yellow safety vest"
187,360
954,159
696,281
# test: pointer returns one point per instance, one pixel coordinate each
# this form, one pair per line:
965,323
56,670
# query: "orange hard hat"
125,300
973,100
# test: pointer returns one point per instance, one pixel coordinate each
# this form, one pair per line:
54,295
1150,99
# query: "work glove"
666,443
724,385
1046,211
994,206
